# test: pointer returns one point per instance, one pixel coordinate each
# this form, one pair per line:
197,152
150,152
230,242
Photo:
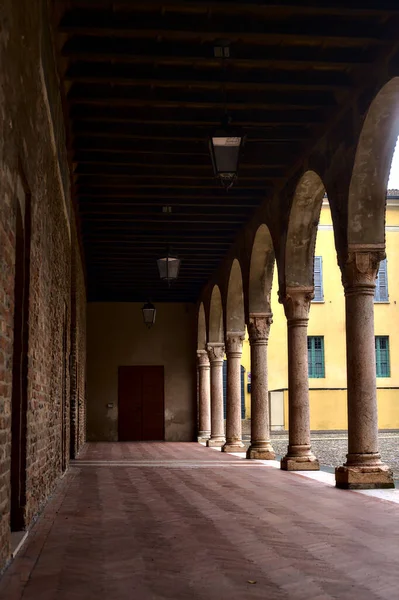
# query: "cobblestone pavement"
331,448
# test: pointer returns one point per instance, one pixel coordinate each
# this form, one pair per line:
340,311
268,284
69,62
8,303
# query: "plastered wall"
117,336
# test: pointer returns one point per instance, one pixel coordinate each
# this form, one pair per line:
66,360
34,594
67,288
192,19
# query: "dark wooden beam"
374,8
178,77
212,27
194,100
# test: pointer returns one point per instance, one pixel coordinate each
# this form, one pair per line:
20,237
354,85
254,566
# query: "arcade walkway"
168,520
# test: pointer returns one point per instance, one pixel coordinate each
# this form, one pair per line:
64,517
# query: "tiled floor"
176,521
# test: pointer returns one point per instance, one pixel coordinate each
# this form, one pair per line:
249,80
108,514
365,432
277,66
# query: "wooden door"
141,403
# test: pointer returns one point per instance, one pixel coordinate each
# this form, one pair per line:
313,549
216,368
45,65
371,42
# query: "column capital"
234,340
360,270
259,327
296,304
215,352
202,359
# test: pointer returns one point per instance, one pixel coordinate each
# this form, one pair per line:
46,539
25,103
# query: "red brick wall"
32,148
78,353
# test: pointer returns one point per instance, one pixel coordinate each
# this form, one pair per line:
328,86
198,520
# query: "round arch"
235,314
216,317
261,272
302,230
201,339
368,185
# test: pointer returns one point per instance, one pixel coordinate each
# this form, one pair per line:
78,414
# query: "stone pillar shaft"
204,400
216,354
233,393
299,456
363,468
261,448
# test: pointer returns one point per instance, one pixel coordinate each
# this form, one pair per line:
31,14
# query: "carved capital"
360,271
259,327
234,342
202,359
215,352
297,304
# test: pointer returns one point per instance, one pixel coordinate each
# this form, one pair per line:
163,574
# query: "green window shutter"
382,356
318,279
316,367
381,284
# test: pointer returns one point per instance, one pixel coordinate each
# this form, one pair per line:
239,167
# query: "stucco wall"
117,336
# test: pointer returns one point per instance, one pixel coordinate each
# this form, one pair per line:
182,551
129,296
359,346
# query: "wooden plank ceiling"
143,93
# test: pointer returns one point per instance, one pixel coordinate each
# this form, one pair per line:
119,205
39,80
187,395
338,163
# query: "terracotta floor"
155,521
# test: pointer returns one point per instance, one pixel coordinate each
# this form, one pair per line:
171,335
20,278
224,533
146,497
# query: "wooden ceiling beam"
174,78
251,159
268,33
382,8
276,62
280,104
151,136
91,205
127,241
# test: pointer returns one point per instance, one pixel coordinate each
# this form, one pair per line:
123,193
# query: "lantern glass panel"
149,314
168,267
226,151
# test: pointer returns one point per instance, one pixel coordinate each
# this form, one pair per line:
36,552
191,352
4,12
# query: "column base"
233,446
262,451
364,477
203,436
300,458
215,443
300,463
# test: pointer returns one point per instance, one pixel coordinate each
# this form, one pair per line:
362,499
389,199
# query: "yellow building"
326,337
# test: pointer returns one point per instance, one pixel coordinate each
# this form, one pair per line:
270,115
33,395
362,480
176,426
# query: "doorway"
19,397
141,403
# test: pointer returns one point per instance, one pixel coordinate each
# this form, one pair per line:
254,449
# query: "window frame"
312,358
318,259
378,362
383,269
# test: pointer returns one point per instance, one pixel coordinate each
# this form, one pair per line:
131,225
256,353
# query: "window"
382,355
381,285
318,279
316,356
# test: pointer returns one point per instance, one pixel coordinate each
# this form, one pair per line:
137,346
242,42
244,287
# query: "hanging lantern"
149,312
169,266
225,147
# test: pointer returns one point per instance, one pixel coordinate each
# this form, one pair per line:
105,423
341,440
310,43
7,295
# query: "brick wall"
33,156
78,353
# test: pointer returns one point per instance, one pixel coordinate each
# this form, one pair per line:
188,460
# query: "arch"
201,340
261,271
368,185
235,314
216,317
302,230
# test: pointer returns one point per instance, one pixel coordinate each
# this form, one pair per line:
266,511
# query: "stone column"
216,354
299,456
363,468
233,443
258,329
204,396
